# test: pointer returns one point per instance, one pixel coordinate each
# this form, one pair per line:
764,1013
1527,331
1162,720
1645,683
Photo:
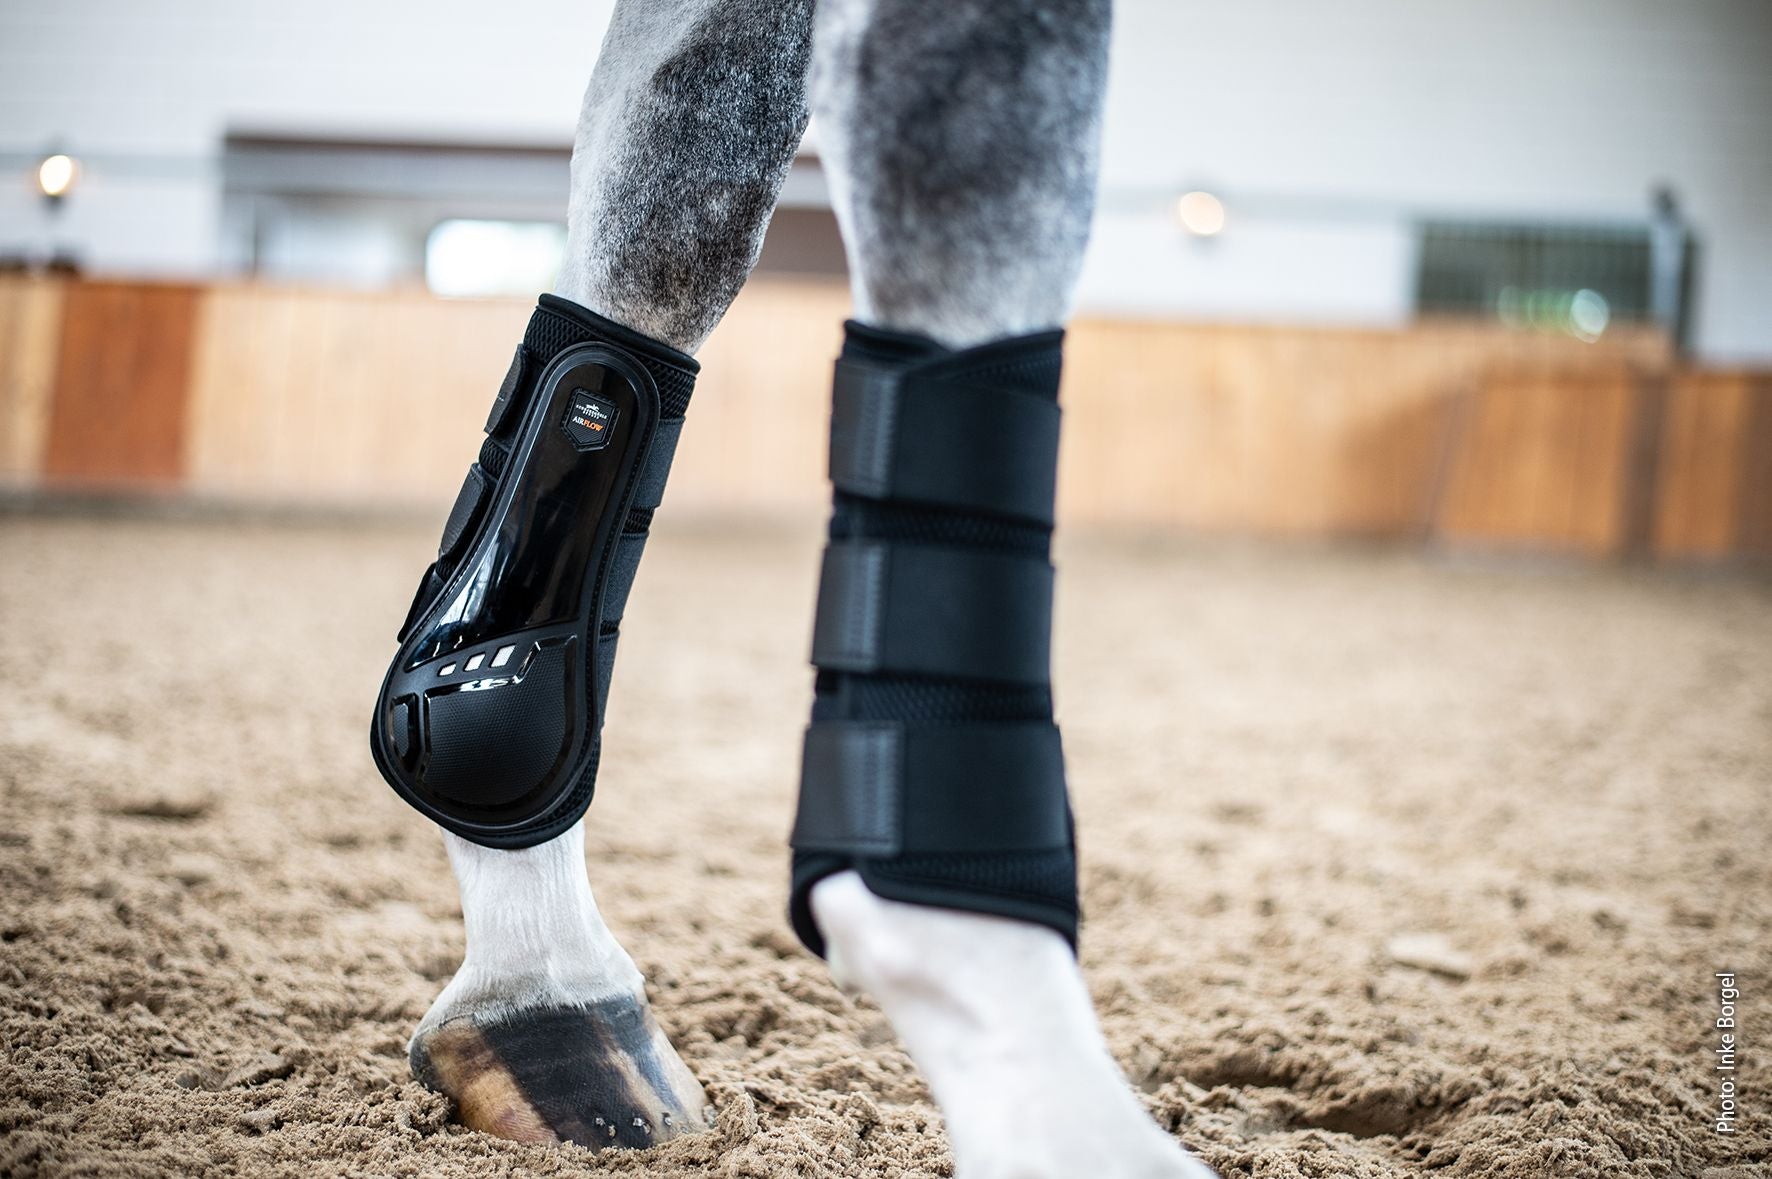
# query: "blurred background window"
1570,278
384,213
460,219
516,258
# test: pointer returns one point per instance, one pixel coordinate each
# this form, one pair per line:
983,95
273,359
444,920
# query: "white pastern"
534,936
996,1014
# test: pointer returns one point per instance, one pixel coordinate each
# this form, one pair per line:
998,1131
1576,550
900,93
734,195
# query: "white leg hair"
544,1034
534,936
996,1016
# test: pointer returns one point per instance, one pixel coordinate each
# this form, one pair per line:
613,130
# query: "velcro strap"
507,394
880,788
941,442
649,480
933,610
476,489
624,563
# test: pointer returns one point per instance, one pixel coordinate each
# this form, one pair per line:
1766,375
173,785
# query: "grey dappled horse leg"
961,140
689,126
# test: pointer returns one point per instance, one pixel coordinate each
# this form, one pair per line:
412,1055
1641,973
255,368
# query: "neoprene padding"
932,766
490,718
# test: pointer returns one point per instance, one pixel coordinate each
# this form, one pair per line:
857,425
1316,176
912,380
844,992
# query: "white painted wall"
1337,121
1325,127
166,78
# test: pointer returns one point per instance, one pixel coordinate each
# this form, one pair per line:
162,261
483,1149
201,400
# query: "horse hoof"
601,1075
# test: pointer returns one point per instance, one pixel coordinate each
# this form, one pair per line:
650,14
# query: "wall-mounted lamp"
1200,213
56,176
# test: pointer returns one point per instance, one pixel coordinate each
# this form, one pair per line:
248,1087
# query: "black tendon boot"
490,717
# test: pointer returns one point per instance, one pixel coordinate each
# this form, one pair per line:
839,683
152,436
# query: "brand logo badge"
590,420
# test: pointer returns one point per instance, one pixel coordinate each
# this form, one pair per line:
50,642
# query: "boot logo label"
590,420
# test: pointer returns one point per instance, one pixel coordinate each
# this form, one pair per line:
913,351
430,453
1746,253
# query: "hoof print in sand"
602,1075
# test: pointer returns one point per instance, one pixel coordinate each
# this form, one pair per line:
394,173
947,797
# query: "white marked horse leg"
544,1033
689,127
996,1016
534,936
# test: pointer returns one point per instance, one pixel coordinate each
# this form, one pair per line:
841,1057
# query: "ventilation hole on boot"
446,669
504,656
474,663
